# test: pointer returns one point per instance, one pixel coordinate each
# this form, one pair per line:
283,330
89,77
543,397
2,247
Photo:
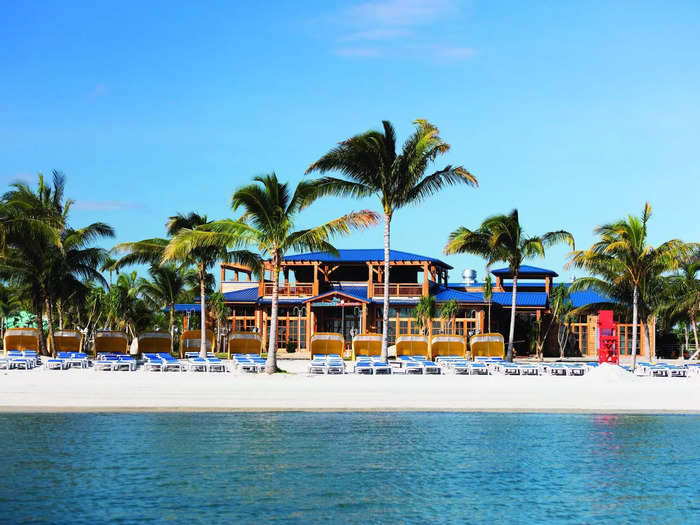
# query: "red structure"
608,349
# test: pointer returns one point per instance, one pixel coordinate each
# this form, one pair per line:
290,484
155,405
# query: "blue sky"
573,113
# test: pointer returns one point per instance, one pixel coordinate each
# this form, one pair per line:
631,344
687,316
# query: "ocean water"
349,468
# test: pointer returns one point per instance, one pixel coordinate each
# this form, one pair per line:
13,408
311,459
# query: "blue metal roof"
186,308
524,271
538,299
361,255
447,294
585,297
247,295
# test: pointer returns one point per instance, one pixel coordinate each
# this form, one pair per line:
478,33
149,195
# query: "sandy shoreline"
90,391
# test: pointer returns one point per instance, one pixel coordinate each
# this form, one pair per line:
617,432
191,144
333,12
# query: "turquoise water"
349,468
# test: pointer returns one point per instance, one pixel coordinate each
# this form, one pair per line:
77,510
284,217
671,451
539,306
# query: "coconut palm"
502,238
158,250
622,260
167,285
48,259
424,312
370,165
685,293
267,225
448,312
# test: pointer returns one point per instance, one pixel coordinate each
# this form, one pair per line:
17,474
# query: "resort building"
321,292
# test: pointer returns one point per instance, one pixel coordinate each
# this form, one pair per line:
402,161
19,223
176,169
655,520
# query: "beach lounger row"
114,362
249,363
211,363
661,370
326,364
417,364
371,366
20,360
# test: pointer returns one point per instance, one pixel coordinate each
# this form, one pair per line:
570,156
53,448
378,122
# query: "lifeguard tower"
608,347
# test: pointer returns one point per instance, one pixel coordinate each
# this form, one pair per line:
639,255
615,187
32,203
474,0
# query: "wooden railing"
291,289
398,290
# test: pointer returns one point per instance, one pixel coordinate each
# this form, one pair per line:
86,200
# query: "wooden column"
426,287
370,280
314,290
479,323
308,326
223,275
261,284
547,285
364,318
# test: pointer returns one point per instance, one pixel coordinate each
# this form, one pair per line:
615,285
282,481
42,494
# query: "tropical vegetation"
502,238
266,229
370,165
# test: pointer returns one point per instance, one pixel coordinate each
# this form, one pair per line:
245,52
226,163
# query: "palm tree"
562,308
370,166
43,255
685,292
448,312
424,312
158,251
488,294
502,238
624,261
167,285
267,225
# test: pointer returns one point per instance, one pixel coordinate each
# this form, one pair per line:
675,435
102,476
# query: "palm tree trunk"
59,311
695,331
203,314
489,316
172,328
635,300
271,364
385,321
49,316
38,310
511,330
687,343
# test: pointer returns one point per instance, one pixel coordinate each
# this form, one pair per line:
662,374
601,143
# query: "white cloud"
402,12
398,29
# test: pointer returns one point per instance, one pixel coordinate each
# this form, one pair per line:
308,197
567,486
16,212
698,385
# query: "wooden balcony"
291,289
398,290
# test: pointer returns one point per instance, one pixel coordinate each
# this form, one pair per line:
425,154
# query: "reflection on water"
348,467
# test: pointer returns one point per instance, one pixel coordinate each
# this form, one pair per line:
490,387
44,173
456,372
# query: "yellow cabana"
67,340
487,345
111,341
21,339
154,343
244,343
444,344
327,343
369,345
412,345
190,341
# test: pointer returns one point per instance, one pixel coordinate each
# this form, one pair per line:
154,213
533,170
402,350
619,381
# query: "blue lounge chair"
363,365
78,359
478,368
170,363
17,360
152,362
528,369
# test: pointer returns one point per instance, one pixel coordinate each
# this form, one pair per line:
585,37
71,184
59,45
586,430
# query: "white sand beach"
602,390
